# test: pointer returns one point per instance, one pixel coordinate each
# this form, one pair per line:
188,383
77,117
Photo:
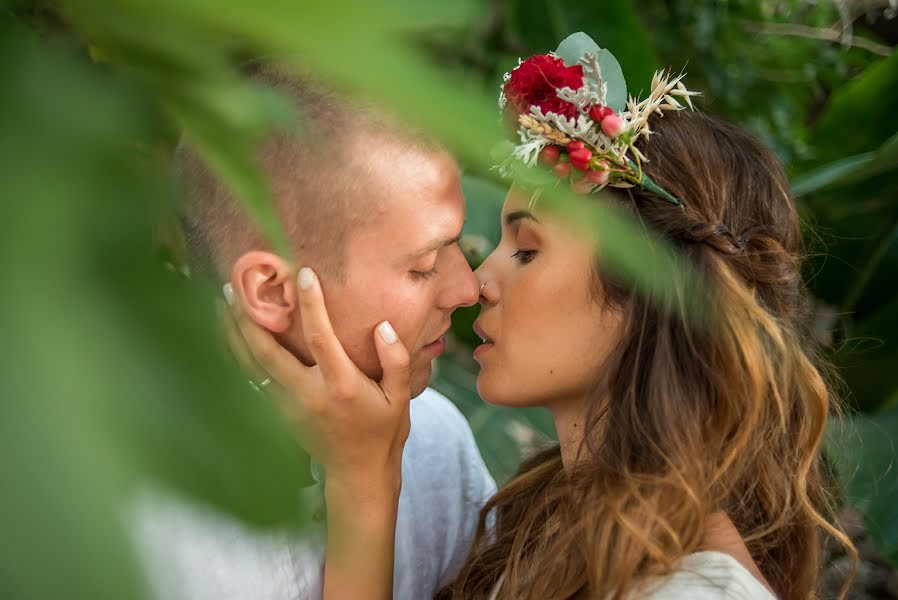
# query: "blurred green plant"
107,356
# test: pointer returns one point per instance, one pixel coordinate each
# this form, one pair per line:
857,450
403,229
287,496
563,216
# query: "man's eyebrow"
518,215
435,246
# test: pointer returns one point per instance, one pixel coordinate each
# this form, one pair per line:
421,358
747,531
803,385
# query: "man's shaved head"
373,207
316,174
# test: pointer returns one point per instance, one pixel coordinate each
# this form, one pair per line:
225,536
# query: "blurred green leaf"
189,72
850,169
111,359
860,115
864,451
613,24
868,357
484,199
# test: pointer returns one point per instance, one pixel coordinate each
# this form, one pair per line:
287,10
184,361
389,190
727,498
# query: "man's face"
405,266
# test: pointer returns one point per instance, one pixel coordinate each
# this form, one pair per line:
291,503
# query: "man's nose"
462,288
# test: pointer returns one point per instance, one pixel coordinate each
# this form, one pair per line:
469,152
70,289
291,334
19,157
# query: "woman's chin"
486,391
497,394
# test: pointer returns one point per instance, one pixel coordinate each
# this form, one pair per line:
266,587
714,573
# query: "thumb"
394,361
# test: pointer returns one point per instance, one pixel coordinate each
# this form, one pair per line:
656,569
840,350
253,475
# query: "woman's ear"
265,286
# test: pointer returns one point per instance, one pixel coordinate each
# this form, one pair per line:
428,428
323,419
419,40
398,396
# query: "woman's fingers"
394,361
276,361
319,335
236,344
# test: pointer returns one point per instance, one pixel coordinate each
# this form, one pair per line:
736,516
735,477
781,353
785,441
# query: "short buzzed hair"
320,190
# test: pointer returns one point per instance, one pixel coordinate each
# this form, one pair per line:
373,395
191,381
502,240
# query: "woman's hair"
687,419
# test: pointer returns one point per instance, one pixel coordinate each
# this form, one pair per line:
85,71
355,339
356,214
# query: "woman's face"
547,334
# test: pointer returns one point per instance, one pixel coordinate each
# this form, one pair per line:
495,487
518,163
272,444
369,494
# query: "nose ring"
481,288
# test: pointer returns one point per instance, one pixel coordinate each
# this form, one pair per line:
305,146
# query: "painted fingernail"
387,333
227,291
306,277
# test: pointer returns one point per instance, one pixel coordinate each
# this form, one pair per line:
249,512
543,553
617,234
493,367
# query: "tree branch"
814,33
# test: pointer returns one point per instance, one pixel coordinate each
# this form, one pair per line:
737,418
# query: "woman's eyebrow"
518,215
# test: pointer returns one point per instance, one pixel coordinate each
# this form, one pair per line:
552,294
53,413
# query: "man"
378,211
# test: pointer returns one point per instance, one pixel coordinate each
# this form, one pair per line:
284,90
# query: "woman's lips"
481,333
487,341
479,350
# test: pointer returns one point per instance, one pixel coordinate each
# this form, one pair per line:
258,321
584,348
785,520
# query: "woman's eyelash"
421,275
524,256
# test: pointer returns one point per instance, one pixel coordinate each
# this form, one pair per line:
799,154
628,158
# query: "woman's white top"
700,576
707,576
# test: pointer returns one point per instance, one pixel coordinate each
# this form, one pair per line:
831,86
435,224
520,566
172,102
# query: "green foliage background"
112,376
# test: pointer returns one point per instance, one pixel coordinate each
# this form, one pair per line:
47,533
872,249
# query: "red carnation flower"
535,81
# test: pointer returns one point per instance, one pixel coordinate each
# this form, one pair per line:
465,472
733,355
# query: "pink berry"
562,170
597,113
613,126
597,177
575,145
581,186
580,158
549,155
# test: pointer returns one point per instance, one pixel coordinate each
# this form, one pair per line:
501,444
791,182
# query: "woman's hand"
354,427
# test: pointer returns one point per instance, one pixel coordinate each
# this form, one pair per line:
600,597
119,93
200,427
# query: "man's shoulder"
441,434
431,408
442,444
444,485
191,551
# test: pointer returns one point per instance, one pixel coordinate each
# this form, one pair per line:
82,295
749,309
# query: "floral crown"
574,116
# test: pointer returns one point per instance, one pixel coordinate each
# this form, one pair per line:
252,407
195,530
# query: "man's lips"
440,337
438,344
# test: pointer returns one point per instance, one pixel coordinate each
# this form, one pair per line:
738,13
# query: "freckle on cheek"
551,371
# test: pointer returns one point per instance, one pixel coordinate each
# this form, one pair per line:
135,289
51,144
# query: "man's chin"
420,378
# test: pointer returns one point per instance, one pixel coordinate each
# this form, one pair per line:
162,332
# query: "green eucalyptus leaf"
614,78
576,46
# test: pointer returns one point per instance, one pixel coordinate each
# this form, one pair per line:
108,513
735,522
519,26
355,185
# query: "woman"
688,463
668,427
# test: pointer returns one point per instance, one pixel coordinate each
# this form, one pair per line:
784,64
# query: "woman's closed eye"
524,256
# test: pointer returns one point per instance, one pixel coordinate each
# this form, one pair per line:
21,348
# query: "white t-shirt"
193,553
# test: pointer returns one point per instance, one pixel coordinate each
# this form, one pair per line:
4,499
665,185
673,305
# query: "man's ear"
266,287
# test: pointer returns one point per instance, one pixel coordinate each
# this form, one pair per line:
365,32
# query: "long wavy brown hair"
686,420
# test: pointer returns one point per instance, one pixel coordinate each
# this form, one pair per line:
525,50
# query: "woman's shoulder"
707,576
